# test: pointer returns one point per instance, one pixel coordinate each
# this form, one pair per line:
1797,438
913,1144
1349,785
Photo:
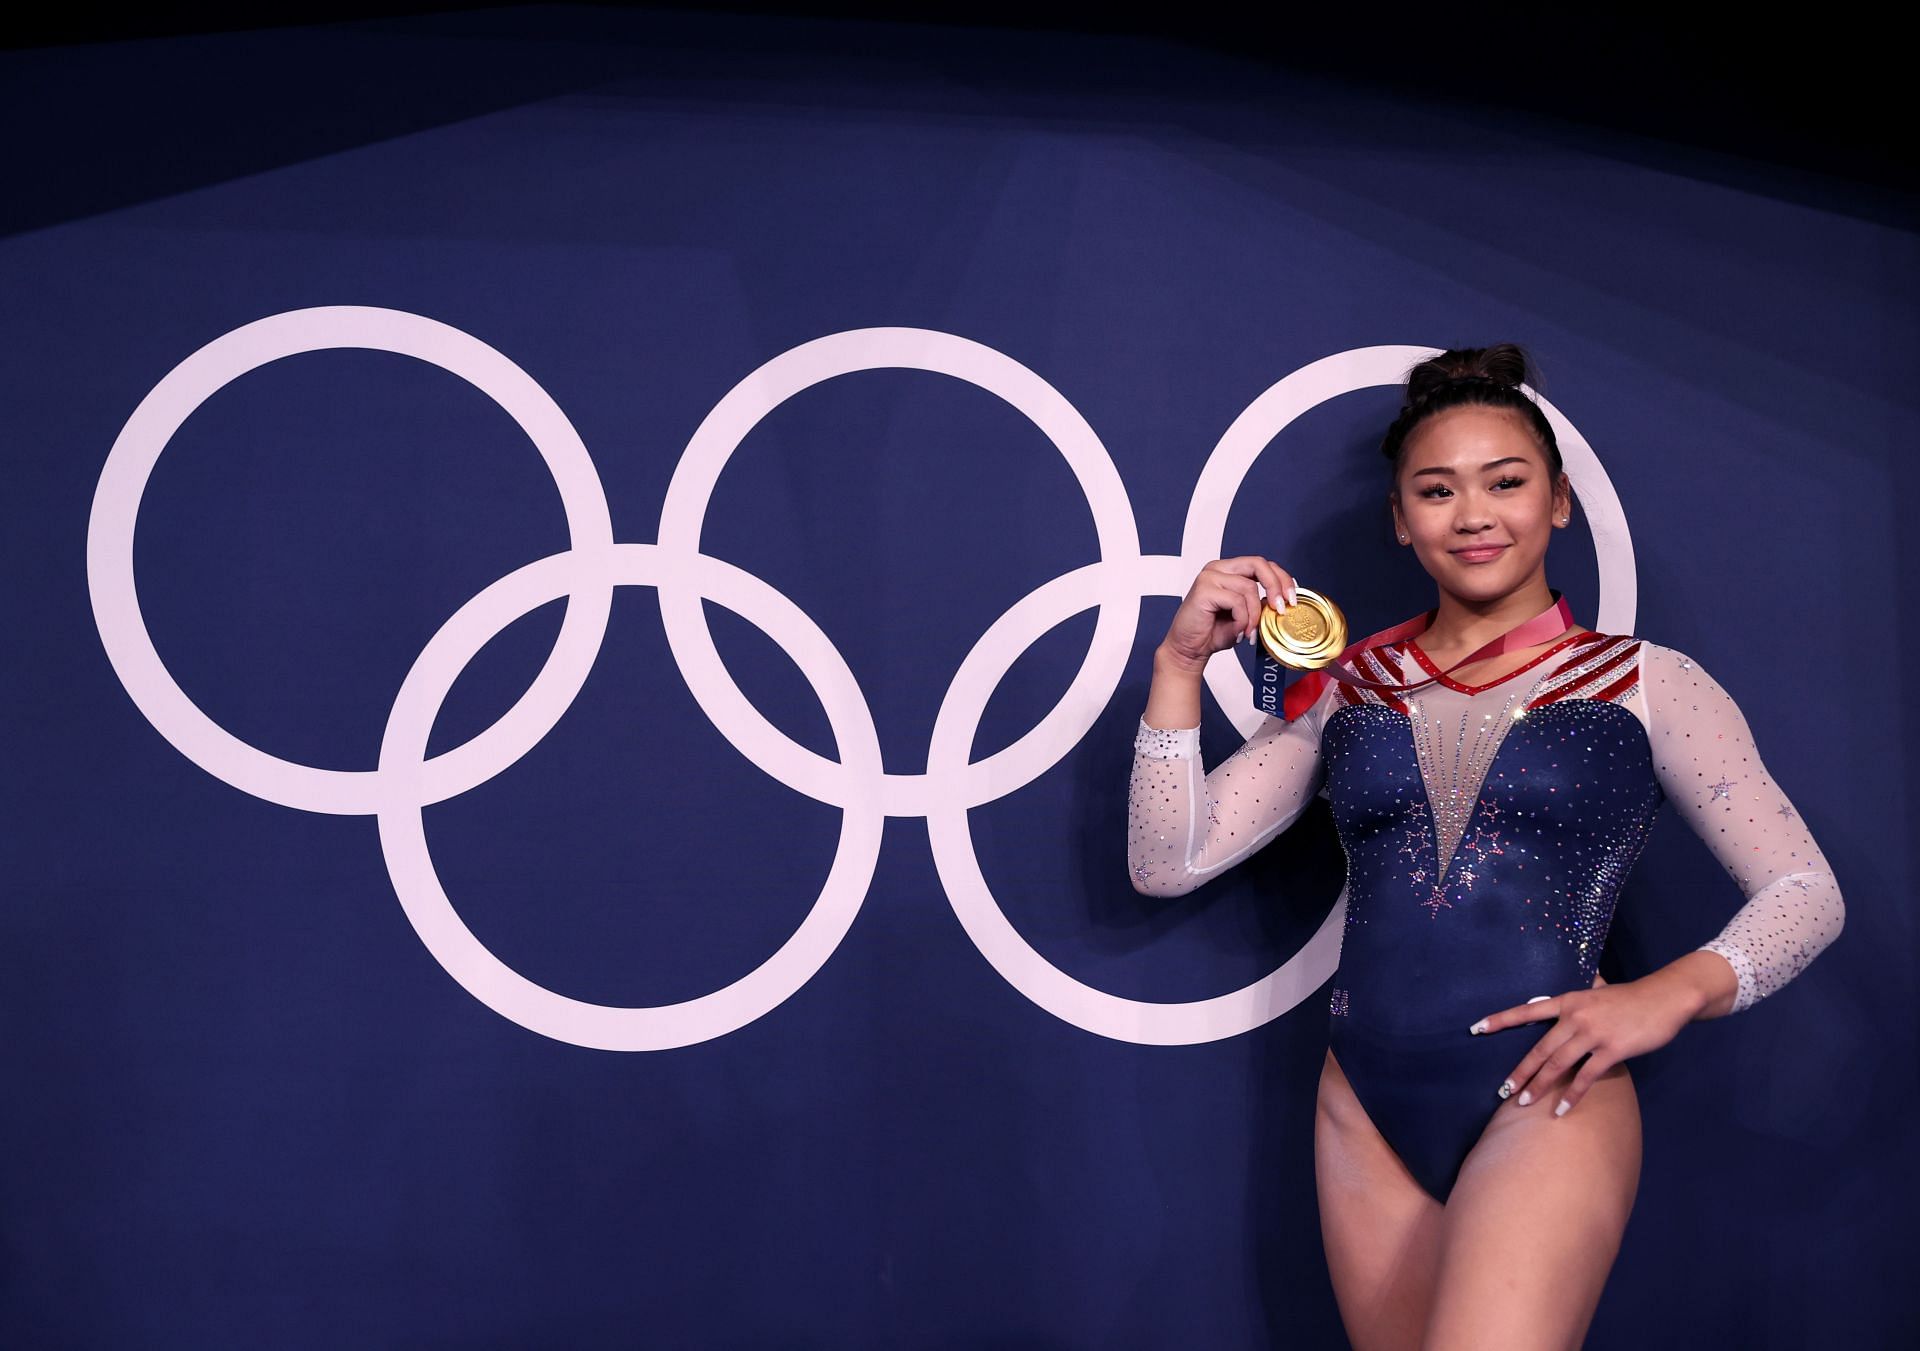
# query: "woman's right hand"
1223,606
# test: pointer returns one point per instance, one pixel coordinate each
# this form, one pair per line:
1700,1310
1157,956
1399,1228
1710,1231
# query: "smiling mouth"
1480,555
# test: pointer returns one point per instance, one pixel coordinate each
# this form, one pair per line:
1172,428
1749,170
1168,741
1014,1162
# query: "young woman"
1489,816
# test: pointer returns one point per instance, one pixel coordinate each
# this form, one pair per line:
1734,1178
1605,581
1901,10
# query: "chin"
1484,583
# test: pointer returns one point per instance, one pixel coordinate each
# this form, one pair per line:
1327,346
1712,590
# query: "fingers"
1536,1010
1242,608
1560,1051
1542,1067
1563,1062
1570,1049
1217,592
1252,568
1598,1063
1248,611
1539,1061
1277,580
1231,591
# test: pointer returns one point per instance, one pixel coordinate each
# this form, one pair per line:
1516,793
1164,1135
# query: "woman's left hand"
1606,1024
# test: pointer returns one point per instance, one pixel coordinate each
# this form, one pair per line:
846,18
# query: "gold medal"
1310,634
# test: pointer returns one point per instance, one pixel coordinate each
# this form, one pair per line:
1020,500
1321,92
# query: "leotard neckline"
1413,645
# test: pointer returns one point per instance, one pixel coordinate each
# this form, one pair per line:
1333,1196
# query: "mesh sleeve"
1186,826
1710,770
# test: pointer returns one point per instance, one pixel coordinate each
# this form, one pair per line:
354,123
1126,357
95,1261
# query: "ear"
1563,497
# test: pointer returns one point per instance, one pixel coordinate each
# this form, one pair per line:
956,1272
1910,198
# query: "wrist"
1168,660
1701,984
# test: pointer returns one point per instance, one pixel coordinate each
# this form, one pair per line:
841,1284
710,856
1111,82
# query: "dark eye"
1434,490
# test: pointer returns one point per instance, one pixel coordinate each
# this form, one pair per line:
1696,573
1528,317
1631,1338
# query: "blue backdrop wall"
578,591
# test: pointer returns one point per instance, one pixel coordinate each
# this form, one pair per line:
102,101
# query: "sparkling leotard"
1488,830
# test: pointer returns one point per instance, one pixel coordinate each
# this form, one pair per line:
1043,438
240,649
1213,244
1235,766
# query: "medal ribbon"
1300,696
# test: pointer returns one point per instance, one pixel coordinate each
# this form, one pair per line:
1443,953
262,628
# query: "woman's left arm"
1704,755
1708,766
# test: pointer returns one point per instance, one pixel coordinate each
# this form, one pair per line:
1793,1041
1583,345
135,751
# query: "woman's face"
1473,478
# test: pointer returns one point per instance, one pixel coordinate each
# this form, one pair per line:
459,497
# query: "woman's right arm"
1186,826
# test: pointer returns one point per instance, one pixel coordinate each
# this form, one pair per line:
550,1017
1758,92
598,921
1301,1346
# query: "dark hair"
1488,376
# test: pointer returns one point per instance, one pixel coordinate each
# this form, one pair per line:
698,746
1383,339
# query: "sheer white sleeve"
1704,755
1186,826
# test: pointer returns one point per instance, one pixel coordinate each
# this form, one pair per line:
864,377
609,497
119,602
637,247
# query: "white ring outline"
491,981
116,601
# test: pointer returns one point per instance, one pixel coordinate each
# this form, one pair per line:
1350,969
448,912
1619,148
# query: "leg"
1535,1221
1380,1228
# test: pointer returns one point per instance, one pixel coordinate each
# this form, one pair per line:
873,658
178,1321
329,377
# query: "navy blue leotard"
1488,829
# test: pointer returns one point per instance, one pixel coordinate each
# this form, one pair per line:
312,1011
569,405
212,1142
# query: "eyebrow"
1490,464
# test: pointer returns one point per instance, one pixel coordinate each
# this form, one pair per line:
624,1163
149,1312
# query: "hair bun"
1496,377
1504,366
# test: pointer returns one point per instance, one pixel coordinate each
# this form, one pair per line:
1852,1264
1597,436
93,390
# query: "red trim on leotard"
1413,645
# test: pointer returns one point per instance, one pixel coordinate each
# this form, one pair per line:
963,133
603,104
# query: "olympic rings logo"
406,781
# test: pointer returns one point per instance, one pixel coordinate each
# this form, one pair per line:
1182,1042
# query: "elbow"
1834,918
1163,882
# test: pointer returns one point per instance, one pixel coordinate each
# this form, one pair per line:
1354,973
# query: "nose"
1472,517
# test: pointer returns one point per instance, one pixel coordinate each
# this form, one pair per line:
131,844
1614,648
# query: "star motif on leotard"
1143,872
1685,663
1210,812
1484,841
1785,811
1723,789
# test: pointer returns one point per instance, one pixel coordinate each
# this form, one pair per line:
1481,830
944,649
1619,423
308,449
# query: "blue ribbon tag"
1269,676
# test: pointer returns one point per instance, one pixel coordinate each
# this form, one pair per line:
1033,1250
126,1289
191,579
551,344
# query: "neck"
1466,624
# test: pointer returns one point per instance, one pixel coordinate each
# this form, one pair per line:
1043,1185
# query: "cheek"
1531,517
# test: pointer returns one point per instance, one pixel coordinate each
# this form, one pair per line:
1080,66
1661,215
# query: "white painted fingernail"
1526,1097
1537,998
1561,1110
1478,1027
1506,1088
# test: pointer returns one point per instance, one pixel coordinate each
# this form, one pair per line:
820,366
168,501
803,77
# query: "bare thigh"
1535,1220
1381,1230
